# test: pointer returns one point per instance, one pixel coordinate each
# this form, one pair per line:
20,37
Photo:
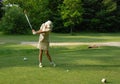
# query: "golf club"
28,19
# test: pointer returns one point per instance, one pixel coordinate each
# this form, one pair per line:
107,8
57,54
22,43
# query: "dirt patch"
117,44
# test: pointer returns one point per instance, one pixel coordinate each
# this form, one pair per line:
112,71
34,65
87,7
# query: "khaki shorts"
43,45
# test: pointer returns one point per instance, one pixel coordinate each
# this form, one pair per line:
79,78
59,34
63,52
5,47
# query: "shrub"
14,22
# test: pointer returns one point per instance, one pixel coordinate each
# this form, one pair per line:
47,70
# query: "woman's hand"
34,32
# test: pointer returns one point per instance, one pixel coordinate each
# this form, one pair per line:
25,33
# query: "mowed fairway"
75,64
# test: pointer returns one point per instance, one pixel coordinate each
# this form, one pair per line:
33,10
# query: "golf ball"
24,58
67,70
103,80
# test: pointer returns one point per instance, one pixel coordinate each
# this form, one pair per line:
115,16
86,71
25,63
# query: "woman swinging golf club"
43,43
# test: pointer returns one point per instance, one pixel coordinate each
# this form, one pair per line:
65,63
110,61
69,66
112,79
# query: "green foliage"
107,16
1,10
14,21
38,12
71,12
100,15
109,5
73,15
54,6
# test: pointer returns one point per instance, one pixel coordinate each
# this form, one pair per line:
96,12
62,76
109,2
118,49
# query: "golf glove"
34,33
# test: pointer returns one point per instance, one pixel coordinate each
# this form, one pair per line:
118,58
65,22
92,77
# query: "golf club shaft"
28,21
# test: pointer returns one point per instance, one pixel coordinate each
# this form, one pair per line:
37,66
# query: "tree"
107,16
99,15
14,21
117,17
1,10
37,10
90,19
54,6
71,13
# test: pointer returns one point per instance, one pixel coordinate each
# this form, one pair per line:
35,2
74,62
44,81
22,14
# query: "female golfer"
43,43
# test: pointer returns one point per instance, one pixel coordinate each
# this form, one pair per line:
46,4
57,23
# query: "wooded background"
68,16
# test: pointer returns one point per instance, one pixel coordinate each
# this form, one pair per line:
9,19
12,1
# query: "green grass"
82,37
86,37
86,66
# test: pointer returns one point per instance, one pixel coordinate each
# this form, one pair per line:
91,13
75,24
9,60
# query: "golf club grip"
28,21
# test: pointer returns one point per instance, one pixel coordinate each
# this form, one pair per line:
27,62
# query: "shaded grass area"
86,37
75,65
81,37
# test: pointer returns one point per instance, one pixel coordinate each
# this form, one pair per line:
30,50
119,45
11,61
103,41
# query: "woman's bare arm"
39,31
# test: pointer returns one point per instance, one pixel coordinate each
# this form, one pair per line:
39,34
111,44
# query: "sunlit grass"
75,65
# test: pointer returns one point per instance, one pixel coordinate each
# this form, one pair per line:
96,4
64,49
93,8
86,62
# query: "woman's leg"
40,57
49,58
48,55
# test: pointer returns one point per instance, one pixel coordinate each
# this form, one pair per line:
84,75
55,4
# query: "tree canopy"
71,15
